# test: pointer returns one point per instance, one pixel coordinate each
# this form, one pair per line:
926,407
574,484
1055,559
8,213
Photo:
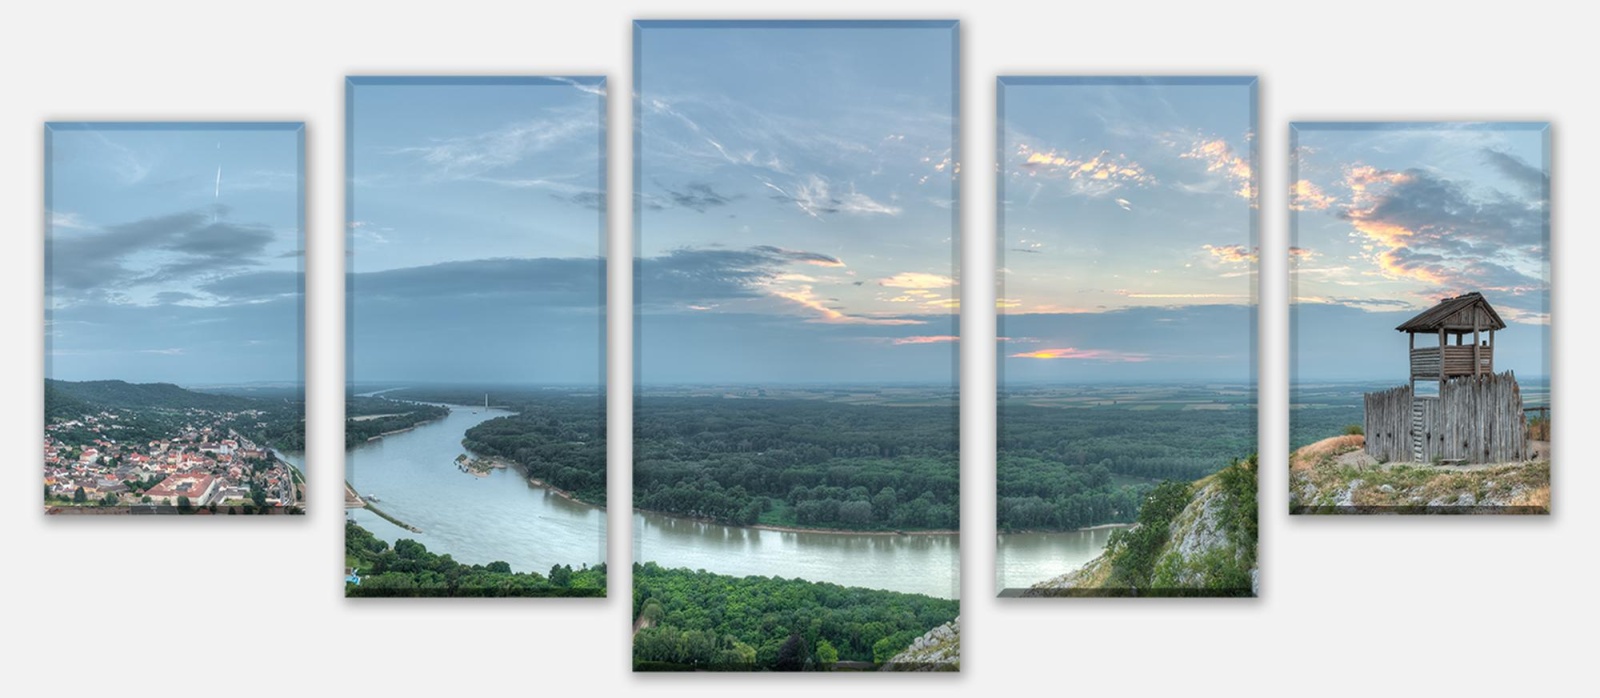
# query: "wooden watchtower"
1460,316
1476,414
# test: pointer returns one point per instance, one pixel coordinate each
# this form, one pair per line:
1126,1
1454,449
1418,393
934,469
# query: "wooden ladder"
1416,431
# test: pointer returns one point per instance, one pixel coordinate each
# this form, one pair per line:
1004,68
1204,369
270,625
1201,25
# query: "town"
202,465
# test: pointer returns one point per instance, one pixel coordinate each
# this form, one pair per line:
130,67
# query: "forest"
696,620
408,569
558,439
797,462
368,417
1067,468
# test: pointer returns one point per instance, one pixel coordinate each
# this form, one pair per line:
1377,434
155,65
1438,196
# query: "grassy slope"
1320,483
1208,549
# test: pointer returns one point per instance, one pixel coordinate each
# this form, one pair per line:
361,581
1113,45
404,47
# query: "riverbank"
297,477
522,470
354,500
392,432
387,517
1097,527
800,529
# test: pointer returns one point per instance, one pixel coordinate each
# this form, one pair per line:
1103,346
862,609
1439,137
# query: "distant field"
1073,456
910,396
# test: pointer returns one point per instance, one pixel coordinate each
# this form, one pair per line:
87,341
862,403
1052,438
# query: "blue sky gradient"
795,202
1127,241
476,230
173,252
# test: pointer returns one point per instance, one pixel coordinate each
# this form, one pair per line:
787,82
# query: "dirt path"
1347,451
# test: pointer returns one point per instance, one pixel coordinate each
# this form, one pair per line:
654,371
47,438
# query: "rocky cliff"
1191,540
937,650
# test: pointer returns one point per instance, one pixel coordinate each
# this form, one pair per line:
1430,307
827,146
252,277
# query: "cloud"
1231,254
1534,181
708,133
477,154
1125,204
917,280
708,277
186,246
1088,175
806,297
1082,354
703,276
587,199
1218,156
697,196
816,197
1185,296
1433,231
555,281
799,290
1427,234
1302,253
255,286
1307,196
1364,303
1360,178
925,339
1184,343
815,258
584,87
173,297
68,221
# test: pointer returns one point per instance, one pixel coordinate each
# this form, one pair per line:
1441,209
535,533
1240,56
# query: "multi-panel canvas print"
1420,361
1127,407
173,305
795,473
475,408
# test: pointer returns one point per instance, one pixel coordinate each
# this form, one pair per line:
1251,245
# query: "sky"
476,230
1390,218
173,253
1127,246
795,209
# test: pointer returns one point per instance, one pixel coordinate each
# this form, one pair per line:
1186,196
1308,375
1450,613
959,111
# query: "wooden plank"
1475,419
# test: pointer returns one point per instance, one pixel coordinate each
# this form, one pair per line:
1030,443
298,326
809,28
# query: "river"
1025,559
476,520
501,517
921,564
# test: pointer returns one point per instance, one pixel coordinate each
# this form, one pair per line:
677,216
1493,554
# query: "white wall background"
1349,605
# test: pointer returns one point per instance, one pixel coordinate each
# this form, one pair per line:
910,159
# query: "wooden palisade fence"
1475,419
